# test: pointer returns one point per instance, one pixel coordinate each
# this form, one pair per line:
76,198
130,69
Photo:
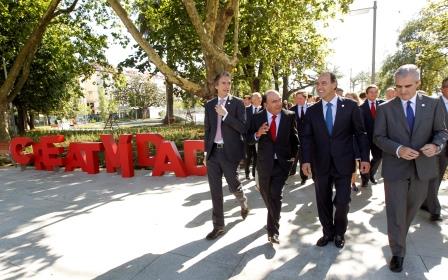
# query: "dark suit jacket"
233,128
299,121
369,122
285,146
392,130
249,116
334,152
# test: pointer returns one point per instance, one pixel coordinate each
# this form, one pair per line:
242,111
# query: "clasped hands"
428,150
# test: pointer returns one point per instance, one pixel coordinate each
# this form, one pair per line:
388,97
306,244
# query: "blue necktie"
410,115
329,118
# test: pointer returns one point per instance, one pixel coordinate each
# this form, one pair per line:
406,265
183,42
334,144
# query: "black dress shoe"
323,241
372,179
215,233
339,241
424,208
354,187
396,264
244,213
247,177
274,239
303,182
435,218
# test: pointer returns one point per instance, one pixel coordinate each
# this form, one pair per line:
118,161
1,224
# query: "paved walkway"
56,225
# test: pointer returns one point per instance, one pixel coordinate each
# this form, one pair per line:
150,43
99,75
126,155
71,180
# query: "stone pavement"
56,225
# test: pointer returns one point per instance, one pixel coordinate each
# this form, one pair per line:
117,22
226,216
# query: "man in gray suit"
225,125
411,131
432,204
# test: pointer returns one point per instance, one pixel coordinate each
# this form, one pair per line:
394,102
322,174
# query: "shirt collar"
413,100
270,115
333,101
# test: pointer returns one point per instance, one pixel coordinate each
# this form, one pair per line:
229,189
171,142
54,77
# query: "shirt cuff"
396,152
255,136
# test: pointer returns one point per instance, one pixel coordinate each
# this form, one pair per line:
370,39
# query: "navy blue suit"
332,159
377,153
300,120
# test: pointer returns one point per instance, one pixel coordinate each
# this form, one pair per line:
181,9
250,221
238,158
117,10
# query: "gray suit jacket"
391,131
232,128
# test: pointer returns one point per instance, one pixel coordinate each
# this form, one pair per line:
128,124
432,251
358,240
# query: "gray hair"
407,69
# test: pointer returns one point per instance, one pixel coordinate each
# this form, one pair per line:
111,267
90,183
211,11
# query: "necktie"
218,136
302,113
273,128
372,110
255,110
410,115
329,118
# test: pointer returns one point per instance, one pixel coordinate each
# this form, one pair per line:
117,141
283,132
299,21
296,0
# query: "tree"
140,92
422,42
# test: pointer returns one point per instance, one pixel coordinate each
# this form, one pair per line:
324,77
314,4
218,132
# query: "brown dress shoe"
215,233
323,241
244,213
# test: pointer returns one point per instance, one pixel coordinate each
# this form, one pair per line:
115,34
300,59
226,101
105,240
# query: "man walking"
224,129
331,125
410,130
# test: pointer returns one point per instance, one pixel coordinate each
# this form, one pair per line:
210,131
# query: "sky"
351,37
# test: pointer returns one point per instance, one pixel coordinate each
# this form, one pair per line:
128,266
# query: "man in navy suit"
368,109
328,155
300,110
225,126
251,152
274,129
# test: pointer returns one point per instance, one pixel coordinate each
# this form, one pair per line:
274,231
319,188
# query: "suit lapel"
339,111
399,114
419,111
282,123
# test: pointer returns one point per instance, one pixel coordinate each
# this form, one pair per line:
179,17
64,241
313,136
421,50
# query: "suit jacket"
233,128
299,120
369,122
392,130
285,146
334,152
249,116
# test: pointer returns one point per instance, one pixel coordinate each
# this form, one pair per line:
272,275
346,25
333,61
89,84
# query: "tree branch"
70,9
211,16
170,75
224,19
207,44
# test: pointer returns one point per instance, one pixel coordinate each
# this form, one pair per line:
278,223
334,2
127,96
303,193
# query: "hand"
430,150
221,110
205,160
364,167
264,128
408,153
306,168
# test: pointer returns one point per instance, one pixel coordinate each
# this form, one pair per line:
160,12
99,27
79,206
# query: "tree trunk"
285,94
21,119
275,76
169,117
4,121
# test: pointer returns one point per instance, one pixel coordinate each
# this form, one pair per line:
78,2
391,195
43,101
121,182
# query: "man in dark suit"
432,204
251,152
331,125
300,110
224,130
368,109
410,130
274,129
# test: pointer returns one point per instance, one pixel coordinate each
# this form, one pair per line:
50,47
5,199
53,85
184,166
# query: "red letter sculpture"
168,159
119,155
191,148
16,148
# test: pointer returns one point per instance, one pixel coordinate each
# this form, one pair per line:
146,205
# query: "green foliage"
423,42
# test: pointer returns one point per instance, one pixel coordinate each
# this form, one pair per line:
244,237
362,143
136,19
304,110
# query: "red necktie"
372,110
273,128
